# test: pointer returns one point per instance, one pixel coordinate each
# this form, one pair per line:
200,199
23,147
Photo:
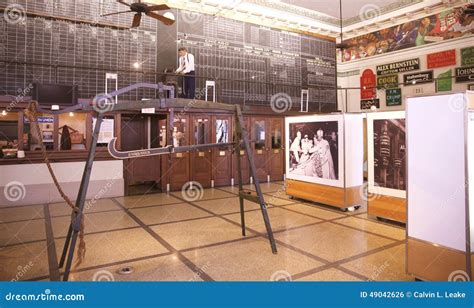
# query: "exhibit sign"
441,59
314,149
465,74
386,153
444,81
390,81
106,133
418,78
398,67
393,97
467,56
368,103
368,82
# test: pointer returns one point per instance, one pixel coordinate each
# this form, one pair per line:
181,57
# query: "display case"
386,153
440,158
324,159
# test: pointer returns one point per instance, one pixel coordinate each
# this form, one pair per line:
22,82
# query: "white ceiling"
350,8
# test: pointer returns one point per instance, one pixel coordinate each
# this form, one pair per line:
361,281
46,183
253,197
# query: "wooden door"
244,164
134,136
276,157
201,160
221,156
178,172
259,135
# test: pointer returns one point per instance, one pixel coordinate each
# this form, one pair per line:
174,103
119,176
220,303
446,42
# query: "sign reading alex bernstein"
464,74
442,58
398,67
368,103
417,78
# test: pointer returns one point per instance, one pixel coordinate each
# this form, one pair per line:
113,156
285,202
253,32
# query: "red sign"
441,59
367,84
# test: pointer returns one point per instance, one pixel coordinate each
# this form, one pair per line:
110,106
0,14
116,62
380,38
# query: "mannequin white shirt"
186,63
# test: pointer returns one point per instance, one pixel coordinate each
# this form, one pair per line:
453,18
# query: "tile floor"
163,237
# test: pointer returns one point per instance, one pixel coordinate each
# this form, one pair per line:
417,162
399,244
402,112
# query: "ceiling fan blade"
115,13
163,19
123,2
159,7
136,20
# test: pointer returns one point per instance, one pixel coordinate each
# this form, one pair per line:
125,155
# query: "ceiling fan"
140,8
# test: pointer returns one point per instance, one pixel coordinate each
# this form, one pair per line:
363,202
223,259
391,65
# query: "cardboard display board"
314,151
386,153
439,143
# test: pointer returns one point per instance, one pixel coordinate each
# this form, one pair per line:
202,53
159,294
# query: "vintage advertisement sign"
417,78
367,84
467,56
367,103
398,67
444,81
393,97
441,59
387,81
464,74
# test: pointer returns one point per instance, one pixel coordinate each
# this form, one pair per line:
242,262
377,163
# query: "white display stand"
440,141
382,200
346,189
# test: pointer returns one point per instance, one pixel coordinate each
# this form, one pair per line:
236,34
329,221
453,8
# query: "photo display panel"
287,62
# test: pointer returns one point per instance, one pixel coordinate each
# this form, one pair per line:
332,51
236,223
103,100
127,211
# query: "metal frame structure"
241,139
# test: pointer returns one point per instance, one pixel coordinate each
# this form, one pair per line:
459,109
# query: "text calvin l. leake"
458,294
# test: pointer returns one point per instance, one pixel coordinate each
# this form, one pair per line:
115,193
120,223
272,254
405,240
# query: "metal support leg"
237,138
253,171
66,246
81,198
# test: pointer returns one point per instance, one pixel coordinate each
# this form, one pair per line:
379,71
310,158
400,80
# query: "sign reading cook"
398,67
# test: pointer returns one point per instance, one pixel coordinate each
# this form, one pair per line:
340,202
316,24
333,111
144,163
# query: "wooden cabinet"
222,156
178,171
267,136
201,160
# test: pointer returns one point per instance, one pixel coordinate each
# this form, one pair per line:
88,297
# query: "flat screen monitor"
55,94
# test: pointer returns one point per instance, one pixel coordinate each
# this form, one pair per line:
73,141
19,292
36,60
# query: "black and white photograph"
389,153
314,150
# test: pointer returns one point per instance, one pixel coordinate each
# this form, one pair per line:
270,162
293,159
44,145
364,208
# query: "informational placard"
367,84
368,103
106,130
441,59
444,81
398,67
418,78
467,56
387,81
465,74
393,97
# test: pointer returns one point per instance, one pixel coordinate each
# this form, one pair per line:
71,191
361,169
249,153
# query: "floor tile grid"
317,258
295,227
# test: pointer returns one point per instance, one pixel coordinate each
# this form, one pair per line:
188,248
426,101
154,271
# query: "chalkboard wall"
260,61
